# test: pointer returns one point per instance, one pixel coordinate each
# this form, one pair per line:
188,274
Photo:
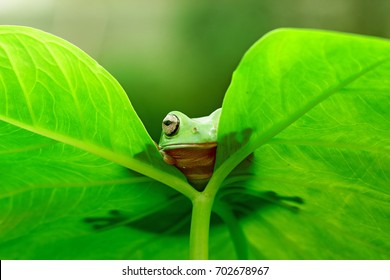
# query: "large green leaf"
68,133
60,202
322,78
52,88
313,108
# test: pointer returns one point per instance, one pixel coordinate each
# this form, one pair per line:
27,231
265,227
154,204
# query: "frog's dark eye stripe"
170,125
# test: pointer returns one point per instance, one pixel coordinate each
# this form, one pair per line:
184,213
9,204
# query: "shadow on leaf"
175,218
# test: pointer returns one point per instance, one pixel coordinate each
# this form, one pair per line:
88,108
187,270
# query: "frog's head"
180,131
190,145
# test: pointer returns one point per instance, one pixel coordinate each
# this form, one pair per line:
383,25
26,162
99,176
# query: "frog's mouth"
209,145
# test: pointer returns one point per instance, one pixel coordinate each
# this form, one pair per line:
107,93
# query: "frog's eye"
170,124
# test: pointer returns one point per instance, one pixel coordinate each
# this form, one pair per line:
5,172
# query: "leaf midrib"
119,158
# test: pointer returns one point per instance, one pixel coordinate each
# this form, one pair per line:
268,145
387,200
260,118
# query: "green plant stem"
200,225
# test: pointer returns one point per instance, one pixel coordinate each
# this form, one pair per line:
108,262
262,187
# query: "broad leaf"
288,73
60,202
314,108
67,134
52,88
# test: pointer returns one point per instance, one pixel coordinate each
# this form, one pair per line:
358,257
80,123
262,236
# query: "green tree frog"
190,144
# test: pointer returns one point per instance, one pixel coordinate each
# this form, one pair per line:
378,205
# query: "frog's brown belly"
197,163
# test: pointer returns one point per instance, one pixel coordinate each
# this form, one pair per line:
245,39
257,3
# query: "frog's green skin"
190,145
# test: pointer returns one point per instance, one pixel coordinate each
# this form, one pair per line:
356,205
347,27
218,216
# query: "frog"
190,144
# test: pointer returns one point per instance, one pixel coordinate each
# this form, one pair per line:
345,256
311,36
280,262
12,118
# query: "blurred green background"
180,55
